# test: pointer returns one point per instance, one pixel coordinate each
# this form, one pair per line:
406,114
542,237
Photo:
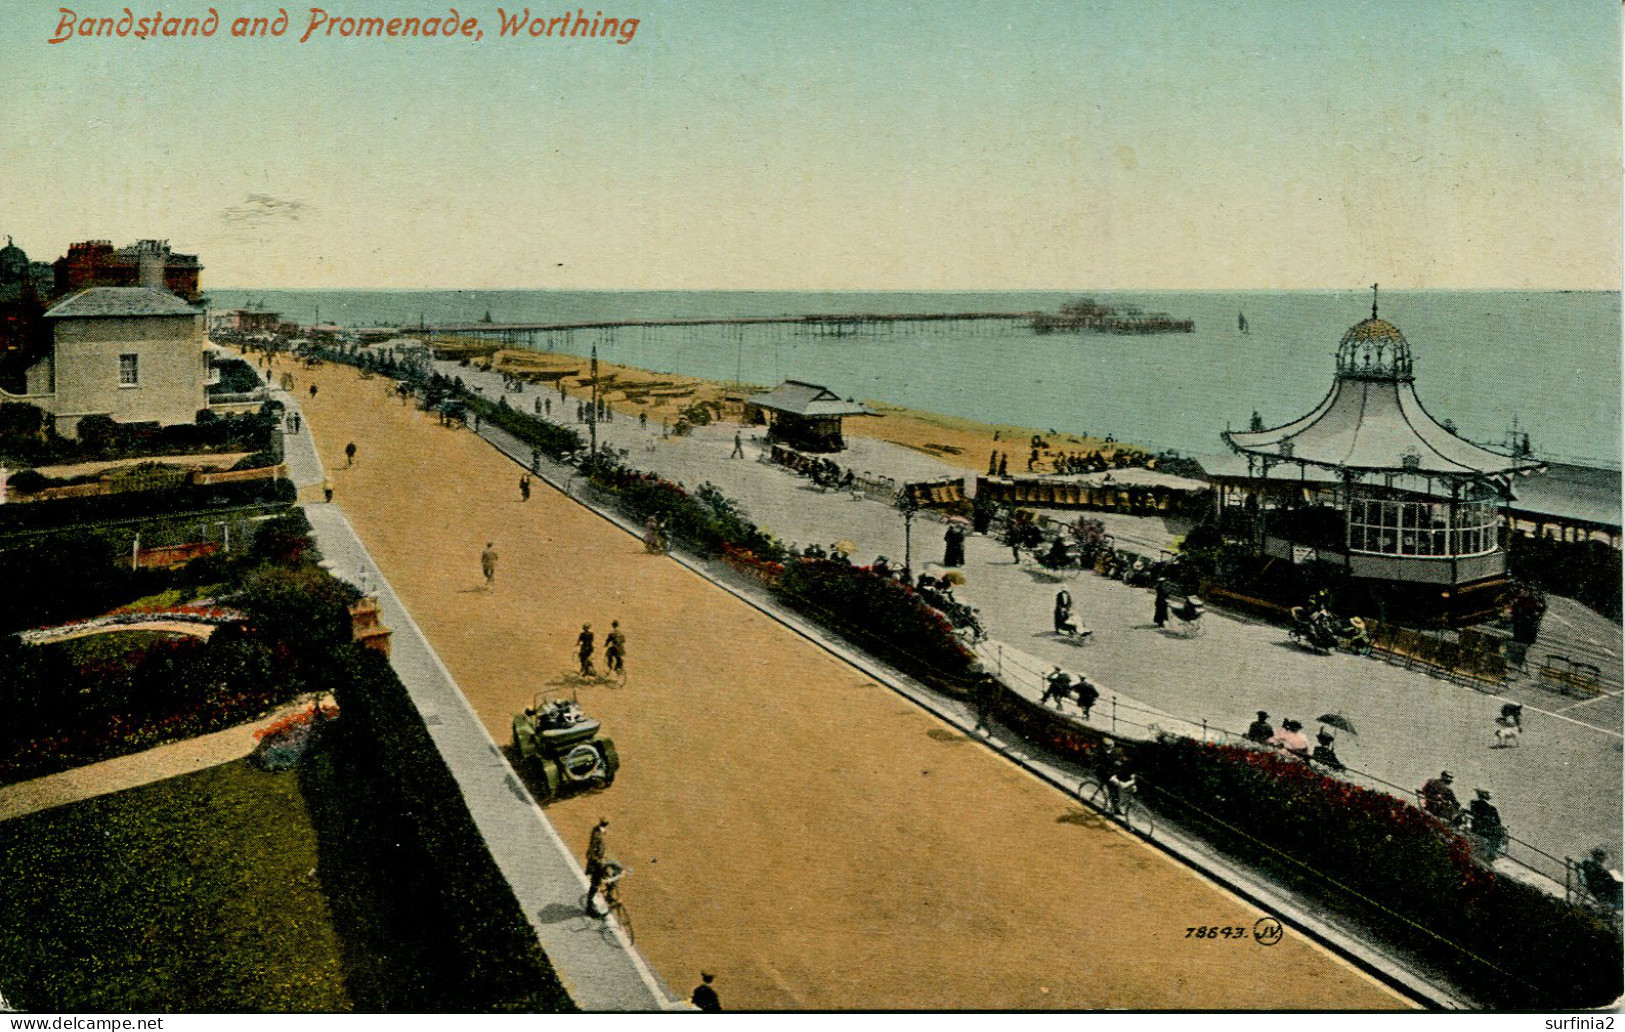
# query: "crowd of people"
1040,455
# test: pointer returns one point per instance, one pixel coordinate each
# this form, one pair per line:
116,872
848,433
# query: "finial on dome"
1373,300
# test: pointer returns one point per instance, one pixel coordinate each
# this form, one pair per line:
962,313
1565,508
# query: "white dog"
1507,735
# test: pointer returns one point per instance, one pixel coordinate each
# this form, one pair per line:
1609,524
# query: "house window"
129,371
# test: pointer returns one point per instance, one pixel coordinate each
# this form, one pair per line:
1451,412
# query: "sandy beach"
790,824
662,396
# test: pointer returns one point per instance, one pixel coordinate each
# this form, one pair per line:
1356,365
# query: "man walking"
584,650
982,697
615,649
704,997
739,446
488,563
349,455
524,487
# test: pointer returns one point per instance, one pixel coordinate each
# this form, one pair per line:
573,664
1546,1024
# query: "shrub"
1377,856
301,615
28,481
549,438
882,615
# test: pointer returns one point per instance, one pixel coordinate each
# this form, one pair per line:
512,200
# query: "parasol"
844,548
1338,720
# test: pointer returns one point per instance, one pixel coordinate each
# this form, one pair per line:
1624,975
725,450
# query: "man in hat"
1260,730
584,650
704,997
615,648
1439,799
524,487
1058,685
488,562
1486,821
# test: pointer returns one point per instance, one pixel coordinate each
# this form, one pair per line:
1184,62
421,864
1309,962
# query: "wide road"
790,824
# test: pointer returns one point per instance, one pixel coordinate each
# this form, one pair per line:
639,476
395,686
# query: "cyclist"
1439,800
613,872
1485,821
1121,788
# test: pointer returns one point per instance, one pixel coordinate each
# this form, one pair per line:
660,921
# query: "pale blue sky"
816,145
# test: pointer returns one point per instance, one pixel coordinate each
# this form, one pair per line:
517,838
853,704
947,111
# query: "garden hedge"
549,438
882,615
66,513
490,954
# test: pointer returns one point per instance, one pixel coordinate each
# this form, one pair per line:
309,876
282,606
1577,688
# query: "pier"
843,325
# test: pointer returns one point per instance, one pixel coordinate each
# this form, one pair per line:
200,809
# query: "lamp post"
905,504
592,410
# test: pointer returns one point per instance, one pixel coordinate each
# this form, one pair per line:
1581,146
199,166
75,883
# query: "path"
1561,791
136,769
789,823
601,972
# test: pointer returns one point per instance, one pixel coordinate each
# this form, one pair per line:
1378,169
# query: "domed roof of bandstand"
1374,347
1371,421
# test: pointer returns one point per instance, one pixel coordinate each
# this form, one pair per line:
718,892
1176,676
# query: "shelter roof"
1585,493
799,398
120,302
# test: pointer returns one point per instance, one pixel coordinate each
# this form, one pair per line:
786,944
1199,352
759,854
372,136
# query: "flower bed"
283,742
882,615
547,437
1396,869
705,520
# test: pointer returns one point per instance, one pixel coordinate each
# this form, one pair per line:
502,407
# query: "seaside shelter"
805,416
1371,482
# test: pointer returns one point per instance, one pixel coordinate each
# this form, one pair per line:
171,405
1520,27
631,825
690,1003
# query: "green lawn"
199,893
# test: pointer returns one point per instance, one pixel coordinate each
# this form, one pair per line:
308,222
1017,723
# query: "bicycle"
613,914
1127,811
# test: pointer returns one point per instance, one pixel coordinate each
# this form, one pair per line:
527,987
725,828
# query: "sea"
1544,363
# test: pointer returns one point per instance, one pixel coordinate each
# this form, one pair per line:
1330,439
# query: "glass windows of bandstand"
1415,527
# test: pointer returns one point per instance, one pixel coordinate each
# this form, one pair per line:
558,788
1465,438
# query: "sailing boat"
1241,323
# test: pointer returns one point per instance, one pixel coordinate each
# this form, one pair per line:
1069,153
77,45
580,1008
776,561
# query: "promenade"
1560,791
789,822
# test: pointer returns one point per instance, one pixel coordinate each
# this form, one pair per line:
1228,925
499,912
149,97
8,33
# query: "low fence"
235,476
1130,721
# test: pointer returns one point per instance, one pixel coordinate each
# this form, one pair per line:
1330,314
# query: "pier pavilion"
1369,481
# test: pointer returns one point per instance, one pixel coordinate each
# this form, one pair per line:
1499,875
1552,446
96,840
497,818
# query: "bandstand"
1370,482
